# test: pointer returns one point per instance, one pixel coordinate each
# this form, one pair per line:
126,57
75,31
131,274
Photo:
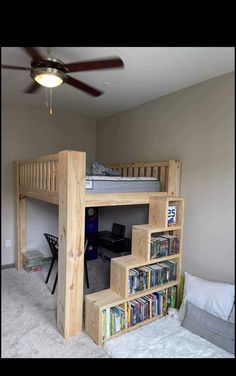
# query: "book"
173,243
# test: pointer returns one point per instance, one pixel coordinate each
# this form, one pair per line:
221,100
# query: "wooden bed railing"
149,169
38,178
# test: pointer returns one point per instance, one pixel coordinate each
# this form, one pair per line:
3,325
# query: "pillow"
213,297
208,326
232,315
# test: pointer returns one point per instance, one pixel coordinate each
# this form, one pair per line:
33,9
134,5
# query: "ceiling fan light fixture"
48,77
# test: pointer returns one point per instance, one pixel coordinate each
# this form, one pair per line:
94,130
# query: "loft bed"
60,179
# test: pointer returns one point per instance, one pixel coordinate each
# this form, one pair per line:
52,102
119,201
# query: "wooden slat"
48,176
37,175
155,172
53,171
56,175
136,171
20,170
20,222
142,171
72,168
31,175
41,175
34,175
148,171
130,171
44,176
124,171
25,173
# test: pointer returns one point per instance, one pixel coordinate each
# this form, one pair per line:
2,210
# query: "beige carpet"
29,316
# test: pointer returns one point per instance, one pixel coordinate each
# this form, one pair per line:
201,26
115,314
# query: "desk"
108,250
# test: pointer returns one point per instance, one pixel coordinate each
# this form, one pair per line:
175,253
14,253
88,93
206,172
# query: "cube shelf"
140,256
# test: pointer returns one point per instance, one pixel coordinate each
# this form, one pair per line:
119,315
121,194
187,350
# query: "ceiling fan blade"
34,54
84,87
14,67
32,88
114,62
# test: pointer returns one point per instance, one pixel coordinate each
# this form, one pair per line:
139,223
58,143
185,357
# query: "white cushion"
213,297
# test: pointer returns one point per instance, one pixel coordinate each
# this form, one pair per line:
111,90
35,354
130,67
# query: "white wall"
29,133
195,125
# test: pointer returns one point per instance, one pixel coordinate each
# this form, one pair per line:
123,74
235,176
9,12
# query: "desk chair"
53,245
114,240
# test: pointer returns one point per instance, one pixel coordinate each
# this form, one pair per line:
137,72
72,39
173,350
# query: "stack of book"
148,276
33,260
163,245
134,311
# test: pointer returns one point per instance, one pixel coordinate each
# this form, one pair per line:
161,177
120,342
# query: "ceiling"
149,73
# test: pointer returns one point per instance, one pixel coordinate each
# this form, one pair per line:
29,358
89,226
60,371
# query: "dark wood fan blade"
34,54
14,67
84,87
32,88
95,64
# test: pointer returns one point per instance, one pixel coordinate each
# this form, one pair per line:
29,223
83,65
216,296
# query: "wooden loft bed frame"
60,179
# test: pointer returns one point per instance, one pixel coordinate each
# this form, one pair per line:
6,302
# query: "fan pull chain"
50,101
46,97
49,51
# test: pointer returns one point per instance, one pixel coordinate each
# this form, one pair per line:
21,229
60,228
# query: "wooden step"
120,267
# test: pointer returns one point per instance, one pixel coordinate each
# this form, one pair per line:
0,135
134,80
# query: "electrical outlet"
8,243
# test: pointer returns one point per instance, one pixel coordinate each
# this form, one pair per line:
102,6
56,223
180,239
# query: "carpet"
29,315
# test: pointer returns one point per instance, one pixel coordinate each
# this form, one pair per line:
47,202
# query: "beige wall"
195,125
28,133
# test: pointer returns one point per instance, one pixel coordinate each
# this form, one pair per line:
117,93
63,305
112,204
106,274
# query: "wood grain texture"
173,178
71,242
116,199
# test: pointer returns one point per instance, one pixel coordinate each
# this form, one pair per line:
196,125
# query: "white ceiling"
149,73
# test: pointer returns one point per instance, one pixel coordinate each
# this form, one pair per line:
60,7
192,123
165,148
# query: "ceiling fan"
50,72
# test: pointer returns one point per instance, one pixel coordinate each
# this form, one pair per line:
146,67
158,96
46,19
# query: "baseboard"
8,266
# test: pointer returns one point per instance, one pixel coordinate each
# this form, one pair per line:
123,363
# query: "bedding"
163,338
212,328
109,184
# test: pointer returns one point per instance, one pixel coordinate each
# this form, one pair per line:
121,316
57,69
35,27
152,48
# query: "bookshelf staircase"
118,293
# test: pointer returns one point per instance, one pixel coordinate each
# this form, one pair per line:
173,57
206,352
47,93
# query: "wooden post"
173,179
20,222
71,242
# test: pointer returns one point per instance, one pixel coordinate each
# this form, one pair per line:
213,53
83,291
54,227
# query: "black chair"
53,244
114,240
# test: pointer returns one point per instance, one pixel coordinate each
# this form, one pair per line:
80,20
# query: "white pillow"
213,297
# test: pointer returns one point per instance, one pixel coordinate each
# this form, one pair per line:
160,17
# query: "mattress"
108,184
163,338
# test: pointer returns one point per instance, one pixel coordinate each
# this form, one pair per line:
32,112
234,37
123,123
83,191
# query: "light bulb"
48,80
